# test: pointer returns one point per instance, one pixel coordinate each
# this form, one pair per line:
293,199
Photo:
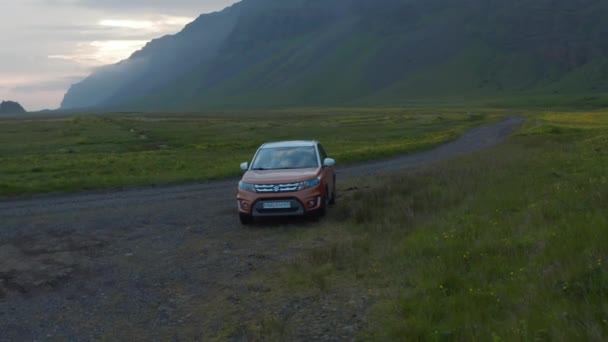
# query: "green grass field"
508,244
115,151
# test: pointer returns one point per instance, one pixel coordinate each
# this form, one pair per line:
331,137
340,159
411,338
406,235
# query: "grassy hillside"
507,244
112,151
262,53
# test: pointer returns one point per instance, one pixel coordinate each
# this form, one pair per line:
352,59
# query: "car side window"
322,153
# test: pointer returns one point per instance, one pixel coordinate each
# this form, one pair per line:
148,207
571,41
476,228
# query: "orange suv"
290,178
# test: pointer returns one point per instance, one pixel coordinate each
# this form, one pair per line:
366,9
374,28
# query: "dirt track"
147,263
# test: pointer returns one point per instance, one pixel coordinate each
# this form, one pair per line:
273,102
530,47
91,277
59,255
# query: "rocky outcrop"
10,107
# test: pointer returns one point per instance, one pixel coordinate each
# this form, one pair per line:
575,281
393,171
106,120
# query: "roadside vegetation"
59,154
507,244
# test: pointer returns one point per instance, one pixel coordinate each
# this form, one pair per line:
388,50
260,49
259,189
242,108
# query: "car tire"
245,219
326,201
332,200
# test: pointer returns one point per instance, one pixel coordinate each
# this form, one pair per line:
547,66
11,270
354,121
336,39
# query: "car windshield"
282,158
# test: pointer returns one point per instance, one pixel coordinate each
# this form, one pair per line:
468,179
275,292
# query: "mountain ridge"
260,53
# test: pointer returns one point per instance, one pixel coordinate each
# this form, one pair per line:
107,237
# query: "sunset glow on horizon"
103,52
98,53
55,45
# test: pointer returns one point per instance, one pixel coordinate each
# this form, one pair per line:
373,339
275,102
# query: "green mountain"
262,53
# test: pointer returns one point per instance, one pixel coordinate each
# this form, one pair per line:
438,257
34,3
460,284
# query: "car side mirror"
245,166
328,162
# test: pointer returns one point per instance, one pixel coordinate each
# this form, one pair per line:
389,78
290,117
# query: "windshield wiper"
281,168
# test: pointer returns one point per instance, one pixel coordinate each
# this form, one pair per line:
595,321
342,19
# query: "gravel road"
166,262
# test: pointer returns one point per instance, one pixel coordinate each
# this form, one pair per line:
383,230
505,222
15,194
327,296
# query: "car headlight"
247,186
309,184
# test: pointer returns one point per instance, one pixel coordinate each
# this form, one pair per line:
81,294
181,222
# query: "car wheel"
326,201
245,219
332,199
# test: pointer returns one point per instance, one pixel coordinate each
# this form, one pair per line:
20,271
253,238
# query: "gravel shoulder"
167,262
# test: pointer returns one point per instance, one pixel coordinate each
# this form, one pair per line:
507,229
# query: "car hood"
280,176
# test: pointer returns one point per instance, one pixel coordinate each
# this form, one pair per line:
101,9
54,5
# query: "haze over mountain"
319,52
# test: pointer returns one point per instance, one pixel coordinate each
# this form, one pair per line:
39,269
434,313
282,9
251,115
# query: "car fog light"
311,203
245,205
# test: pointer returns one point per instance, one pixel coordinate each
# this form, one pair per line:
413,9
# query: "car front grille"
276,188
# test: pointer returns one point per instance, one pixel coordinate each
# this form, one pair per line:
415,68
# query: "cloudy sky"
46,45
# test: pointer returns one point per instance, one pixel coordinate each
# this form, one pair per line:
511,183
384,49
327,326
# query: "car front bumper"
301,202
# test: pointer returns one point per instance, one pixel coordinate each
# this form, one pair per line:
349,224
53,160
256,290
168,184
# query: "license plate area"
276,205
